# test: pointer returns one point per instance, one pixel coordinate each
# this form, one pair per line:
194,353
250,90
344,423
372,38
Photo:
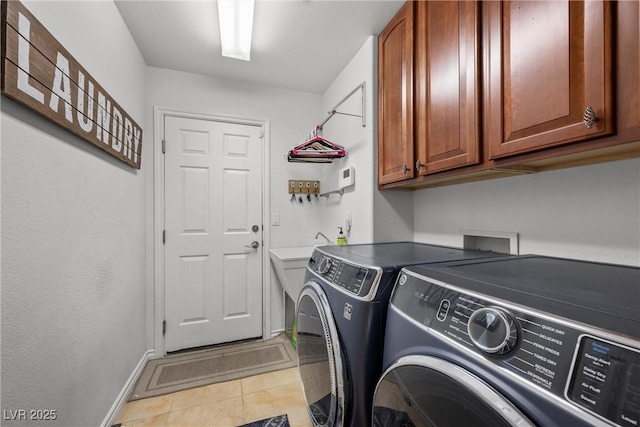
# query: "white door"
213,214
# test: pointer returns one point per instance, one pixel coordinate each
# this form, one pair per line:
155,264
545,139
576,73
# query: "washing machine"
519,341
340,323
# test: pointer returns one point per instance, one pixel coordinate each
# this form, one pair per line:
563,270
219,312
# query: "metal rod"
333,111
328,193
364,106
347,114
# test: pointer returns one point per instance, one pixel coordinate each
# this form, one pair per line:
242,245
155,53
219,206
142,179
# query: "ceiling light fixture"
236,27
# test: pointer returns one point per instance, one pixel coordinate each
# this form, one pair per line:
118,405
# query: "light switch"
275,219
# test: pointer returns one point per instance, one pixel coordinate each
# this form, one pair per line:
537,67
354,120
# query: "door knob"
254,245
589,117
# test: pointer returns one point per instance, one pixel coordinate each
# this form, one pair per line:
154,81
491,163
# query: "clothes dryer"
521,341
340,323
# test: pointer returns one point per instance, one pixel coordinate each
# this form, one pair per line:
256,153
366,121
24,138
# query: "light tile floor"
227,404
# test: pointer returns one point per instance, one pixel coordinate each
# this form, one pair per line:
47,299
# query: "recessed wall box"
505,242
347,177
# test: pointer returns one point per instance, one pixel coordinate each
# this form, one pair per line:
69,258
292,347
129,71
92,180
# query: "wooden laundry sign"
40,73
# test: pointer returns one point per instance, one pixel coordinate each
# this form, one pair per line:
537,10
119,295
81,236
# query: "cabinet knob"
405,169
419,165
589,117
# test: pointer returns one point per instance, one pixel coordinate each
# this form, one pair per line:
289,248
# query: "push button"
443,310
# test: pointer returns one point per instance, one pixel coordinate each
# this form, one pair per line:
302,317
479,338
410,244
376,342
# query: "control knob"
493,330
325,266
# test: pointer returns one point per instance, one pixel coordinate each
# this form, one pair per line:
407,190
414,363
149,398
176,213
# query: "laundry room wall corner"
359,142
375,216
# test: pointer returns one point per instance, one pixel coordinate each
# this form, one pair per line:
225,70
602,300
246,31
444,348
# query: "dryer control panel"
606,380
598,375
354,279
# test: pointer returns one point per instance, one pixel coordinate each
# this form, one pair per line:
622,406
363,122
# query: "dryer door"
431,392
320,358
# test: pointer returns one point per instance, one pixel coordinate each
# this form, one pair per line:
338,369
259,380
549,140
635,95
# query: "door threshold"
213,346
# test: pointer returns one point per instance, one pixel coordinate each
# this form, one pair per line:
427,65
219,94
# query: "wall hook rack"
301,189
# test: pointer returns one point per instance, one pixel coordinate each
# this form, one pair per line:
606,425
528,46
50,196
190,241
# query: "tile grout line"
244,417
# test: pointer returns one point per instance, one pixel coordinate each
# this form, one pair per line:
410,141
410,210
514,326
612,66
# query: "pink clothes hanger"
316,147
319,150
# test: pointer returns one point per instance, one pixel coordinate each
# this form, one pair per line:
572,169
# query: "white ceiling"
297,44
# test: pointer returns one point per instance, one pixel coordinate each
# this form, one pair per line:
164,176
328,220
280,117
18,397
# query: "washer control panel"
536,349
599,376
354,279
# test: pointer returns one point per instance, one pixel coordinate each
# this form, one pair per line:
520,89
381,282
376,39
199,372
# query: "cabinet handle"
405,169
419,165
589,117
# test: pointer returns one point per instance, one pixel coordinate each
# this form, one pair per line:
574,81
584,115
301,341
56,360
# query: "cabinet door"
395,98
447,75
547,62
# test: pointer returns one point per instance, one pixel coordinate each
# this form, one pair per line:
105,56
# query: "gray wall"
73,238
587,212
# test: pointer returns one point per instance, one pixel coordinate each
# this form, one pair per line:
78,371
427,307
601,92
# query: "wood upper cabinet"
547,62
447,81
472,90
395,97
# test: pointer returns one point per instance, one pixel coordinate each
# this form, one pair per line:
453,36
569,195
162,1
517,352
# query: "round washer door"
320,357
427,391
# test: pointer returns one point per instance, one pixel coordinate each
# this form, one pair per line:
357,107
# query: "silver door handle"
254,245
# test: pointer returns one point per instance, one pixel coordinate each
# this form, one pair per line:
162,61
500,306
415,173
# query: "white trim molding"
126,390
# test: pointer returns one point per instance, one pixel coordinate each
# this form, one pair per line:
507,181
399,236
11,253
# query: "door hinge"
164,327
164,236
164,146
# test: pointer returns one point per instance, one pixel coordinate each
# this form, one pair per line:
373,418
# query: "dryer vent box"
347,177
495,241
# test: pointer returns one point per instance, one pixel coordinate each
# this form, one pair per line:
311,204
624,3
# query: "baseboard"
128,386
276,332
